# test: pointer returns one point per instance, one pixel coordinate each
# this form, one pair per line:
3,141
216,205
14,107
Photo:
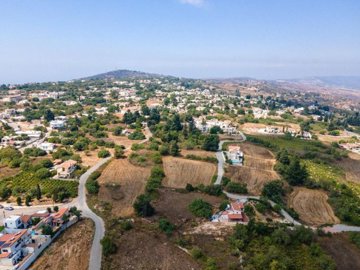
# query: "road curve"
96,249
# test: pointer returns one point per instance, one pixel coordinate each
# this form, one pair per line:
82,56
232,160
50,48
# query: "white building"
57,124
13,222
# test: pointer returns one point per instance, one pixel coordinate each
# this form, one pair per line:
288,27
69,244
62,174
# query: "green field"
27,181
323,172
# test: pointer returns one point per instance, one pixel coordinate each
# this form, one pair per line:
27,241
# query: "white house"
13,222
57,124
46,146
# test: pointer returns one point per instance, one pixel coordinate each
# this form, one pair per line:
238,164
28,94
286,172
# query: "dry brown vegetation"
175,205
257,170
5,171
345,254
181,171
121,182
197,152
351,168
70,251
143,248
312,206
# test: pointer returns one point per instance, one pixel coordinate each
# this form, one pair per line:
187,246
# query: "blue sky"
47,40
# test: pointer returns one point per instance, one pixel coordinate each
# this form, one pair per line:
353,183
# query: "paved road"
221,158
96,250
221,162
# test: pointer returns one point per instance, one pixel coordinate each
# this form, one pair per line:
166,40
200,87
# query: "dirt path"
312,206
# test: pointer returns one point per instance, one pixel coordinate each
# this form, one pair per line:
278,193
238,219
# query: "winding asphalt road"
337,228
96,249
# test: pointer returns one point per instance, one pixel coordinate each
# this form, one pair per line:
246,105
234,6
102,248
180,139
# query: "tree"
49,115
274,191
143,206
28,200
174,149
47,230
296,174
18,201
216,130
108,245
103,153
38,192
56,208
239,188
166,226
117,131
200,208
211,142
42,173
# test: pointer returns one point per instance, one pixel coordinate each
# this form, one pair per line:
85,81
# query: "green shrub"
201,208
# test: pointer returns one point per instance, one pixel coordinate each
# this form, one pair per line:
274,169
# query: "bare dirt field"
5,171
180,172
312,206
70,251
174,205
121,182
121,140
256,151
258,168
345,254
252,177
141,248
89,159
253,128
197,152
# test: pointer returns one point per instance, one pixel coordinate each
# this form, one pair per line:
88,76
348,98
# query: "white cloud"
197,3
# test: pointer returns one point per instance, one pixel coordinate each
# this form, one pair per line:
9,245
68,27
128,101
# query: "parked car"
1,206
9,208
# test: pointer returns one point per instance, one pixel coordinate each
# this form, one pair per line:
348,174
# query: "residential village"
159,138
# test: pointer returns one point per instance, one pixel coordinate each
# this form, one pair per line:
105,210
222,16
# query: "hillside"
121,74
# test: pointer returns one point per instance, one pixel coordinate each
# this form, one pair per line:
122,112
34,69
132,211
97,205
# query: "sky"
51,40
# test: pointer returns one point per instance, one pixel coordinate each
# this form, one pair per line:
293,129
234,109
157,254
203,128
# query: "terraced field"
312,206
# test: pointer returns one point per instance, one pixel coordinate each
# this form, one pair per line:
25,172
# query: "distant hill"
349,82
122,74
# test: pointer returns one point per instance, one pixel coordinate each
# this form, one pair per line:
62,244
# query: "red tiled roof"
237,206
235,216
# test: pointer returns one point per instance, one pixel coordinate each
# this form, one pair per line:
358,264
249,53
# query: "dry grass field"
181,171
312,206
197,152
70,251
121,182
258,168
142,248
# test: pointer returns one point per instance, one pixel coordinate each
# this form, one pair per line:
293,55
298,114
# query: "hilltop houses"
234,212
205,125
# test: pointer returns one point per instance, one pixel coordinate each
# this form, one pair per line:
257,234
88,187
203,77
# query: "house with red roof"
11,247
234,212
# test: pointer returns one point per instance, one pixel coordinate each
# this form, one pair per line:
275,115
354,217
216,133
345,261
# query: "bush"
201,208
103,153
42,173
143,207
166,226
239,188
108,245
136,135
